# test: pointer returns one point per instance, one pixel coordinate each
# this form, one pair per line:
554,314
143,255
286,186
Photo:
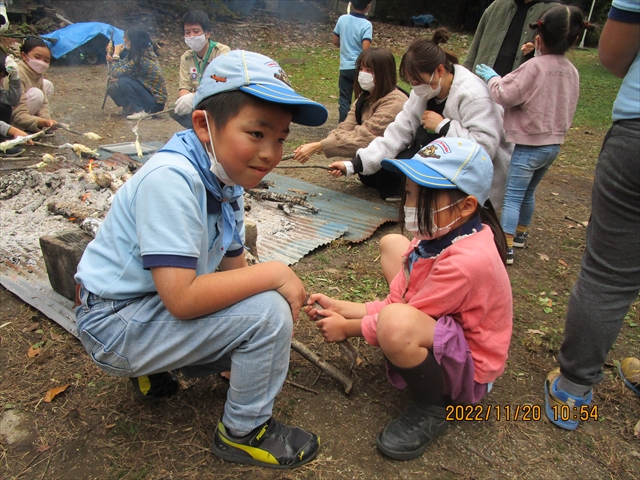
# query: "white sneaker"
137,115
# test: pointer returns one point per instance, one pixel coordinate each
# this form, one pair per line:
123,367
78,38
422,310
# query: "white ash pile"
34,203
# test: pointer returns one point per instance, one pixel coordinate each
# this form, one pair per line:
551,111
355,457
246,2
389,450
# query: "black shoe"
156,386
12,152
410,434
272,445
520,240
510,255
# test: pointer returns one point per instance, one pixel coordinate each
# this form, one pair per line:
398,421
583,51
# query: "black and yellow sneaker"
156,386
272,445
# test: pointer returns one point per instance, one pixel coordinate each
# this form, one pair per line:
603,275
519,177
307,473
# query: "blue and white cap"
261,77
449,163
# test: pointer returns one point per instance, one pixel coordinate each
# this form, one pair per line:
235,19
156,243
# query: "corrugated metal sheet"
338,214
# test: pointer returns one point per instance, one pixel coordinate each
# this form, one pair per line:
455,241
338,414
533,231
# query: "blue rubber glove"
485,72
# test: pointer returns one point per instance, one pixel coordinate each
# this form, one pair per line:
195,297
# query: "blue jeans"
609,278
345,84
130,338
528,166
130,92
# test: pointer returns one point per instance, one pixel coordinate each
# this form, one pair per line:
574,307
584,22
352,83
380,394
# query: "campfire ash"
34,203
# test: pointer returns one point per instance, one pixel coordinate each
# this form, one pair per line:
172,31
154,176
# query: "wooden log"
70,210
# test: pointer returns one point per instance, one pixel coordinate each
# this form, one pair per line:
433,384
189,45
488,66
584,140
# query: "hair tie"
585,24
539,23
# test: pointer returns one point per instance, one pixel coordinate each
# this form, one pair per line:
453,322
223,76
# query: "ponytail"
424,56
560,28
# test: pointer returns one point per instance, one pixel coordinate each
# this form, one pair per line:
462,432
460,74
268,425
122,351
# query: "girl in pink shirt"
539,98
445,326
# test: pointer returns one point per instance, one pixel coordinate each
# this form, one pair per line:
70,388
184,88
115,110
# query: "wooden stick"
302,387
304,166
583,224
330,370
16,159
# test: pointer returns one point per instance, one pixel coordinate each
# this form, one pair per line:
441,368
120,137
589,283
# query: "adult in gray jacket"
503,39
447,100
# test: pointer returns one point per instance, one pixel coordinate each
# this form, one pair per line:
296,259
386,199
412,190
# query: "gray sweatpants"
609,279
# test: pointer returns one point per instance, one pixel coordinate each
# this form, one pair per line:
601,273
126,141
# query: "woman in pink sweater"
539,98
445,326
378,102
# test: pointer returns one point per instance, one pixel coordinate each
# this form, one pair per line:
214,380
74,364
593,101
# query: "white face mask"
411,222
365,79
216,167
425,91
196,43
37,66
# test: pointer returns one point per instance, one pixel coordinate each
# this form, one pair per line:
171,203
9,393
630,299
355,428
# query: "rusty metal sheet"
362,217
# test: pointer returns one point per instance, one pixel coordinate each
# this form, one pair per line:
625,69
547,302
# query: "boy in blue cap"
165,286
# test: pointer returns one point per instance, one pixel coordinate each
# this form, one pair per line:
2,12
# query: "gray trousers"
609,279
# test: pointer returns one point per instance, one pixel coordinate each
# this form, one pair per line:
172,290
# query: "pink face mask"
36,65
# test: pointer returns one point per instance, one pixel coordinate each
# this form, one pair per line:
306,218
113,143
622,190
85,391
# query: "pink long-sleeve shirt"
539,100
468,281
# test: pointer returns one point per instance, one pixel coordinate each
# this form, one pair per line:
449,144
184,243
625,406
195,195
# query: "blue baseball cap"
261,77
449,163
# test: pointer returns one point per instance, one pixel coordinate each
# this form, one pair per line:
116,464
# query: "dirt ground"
97,429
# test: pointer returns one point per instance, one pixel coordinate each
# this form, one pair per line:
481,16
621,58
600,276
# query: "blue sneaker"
562,408
629,370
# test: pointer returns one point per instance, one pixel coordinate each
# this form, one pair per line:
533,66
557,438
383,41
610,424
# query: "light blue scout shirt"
164,216
627,104
352,29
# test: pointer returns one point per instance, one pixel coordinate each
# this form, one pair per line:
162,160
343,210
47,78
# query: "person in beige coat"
378,102
32,113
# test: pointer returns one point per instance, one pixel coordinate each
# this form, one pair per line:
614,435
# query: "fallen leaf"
543,257
554,193
537,332
32,327
56,338
110,426
52,392
33,352
43,448
636,429
563,263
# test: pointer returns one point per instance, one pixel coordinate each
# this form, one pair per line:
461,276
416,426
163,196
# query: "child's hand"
431,120
292,290
325,302
304,152
527,48
485,72
332,327
338,169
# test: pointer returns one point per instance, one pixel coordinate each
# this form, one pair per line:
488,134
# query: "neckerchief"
201,66
433,248
187,144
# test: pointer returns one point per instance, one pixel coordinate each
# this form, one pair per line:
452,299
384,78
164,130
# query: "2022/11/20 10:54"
583,413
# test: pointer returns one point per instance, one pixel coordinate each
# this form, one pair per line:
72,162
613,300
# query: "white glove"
11,66
184,104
